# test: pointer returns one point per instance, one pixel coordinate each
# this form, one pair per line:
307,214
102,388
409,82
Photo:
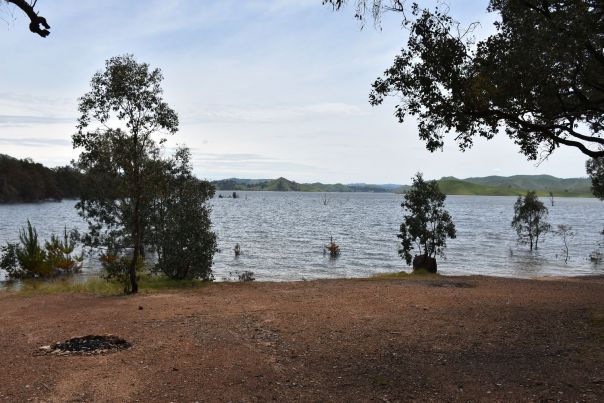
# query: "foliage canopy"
595,170
426,224
539,78
134,199
530,219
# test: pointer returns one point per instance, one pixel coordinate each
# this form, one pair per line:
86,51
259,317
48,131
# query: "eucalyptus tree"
539,78
426,224
123,120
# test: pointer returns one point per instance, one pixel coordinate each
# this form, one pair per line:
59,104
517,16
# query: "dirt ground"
453,338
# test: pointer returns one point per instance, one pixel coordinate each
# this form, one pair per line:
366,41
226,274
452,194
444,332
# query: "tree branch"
38,24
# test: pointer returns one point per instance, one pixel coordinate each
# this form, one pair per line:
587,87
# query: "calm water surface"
282,235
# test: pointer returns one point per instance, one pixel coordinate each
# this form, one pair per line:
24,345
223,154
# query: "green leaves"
180,225
426,225
595,170
27,259
540,77
130,92
530,219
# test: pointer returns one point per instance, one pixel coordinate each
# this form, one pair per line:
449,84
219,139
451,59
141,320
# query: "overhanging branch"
38,24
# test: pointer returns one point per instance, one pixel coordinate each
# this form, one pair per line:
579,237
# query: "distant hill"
486,186
454,186
25,181
285,185
543,184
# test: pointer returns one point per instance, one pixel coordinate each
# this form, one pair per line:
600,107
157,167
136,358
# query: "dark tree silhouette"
595,170
37,24
25,181
540,77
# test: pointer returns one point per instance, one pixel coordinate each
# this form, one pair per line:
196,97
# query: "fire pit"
86,345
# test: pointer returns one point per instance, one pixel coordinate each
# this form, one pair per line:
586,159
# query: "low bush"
27,259
333,248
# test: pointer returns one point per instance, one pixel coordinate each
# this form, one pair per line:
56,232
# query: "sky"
263,89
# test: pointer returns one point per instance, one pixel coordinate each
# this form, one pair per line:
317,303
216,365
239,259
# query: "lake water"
282,235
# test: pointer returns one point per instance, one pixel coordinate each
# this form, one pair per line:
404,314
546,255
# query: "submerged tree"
565,232
540,76
120,163
426,225
530,219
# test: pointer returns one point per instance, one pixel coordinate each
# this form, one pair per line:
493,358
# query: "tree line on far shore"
25,181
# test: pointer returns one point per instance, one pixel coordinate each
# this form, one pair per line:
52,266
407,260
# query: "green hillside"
454,186
285,185
543,184
487,186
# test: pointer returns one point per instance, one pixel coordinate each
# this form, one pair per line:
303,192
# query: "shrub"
333,248
9,261
60,252
32,258
246,276
27,259
181,224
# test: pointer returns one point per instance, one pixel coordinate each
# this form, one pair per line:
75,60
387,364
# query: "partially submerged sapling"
332,248
237,250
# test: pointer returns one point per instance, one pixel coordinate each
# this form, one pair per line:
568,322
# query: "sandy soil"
455,338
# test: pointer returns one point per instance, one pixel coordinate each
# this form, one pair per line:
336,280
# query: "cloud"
20,110
246,165
35,142
24,120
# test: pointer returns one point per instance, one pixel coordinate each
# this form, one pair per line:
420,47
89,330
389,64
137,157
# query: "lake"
282,235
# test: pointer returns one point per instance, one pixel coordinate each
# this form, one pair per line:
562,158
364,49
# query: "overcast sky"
263,88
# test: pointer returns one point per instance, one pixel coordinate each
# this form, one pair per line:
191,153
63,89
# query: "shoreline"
79,279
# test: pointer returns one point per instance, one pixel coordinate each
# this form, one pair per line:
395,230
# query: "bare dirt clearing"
453,338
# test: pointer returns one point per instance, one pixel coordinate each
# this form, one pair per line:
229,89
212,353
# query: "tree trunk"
425,262
136,251
136,233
